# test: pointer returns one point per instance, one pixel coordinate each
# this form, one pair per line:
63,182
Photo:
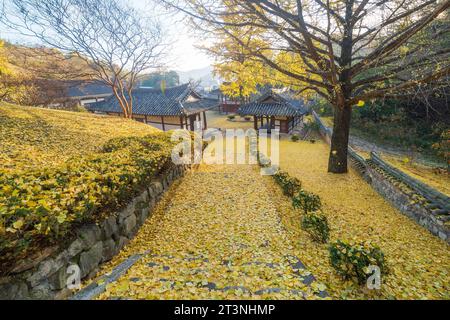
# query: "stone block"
14,291
157,188
75,248
128,211
142,216
109,228
89,235
42,292
109,250
128,225
89,260
45,269
122,242
58,281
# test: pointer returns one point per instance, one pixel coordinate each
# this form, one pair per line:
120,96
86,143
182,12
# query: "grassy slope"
35,137
419,262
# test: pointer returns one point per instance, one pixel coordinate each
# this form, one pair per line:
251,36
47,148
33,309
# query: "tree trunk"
339,141
342,109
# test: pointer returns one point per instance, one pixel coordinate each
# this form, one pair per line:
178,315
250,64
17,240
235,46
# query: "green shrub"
231,117
295,138
316,224
289,184
307,201
280,177
352,261
312,125
45,204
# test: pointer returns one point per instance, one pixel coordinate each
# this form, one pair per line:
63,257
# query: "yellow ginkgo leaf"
18,224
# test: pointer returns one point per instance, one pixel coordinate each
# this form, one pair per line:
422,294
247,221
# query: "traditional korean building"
85,92
172,108
227,104
275,111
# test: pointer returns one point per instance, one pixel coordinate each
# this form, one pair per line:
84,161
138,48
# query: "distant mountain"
204,75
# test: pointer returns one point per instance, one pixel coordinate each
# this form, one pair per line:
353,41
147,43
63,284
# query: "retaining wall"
425,205
45,275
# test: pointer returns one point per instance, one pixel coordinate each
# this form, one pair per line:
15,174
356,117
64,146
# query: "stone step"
258,270
255,278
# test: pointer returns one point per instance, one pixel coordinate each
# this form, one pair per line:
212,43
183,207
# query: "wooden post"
163,125
192,123
255,122
181,122
205,123
146,119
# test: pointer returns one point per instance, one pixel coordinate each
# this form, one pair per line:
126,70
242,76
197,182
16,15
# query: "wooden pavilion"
275,111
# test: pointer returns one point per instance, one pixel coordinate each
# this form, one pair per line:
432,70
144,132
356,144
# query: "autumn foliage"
43,204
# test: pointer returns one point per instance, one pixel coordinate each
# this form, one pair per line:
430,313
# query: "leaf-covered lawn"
36,137
438,179
419,262
219,225
62,169
220,121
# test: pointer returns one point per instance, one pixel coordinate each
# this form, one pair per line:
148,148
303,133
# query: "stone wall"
420,212
407,205
45,275
325,132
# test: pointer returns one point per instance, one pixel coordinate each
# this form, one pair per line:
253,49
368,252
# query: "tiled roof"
282,105
155,102
269,109
200,105
79,89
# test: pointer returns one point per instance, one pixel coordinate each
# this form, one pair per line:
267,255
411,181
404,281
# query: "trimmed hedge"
289,184
316,224
352,261
45,205
307,201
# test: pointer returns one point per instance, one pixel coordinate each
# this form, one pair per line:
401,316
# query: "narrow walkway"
215,235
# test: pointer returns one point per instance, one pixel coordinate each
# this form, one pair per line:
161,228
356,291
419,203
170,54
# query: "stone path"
215,235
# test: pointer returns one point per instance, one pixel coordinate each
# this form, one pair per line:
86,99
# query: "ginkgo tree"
4,69
353,50
12,84
234,63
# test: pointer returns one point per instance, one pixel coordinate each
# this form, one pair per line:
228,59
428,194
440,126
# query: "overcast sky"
182,57
185,56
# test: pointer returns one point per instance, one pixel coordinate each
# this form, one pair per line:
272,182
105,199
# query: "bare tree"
352,50
117,42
